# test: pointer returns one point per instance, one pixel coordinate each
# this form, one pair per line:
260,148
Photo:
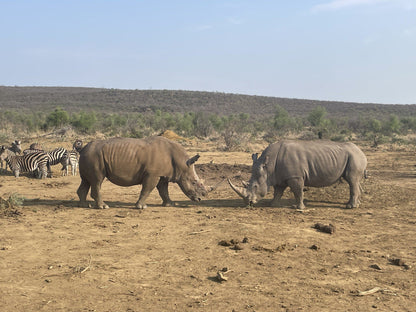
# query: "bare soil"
215,255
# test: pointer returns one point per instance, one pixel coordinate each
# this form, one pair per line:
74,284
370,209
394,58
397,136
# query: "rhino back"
318,163
126,161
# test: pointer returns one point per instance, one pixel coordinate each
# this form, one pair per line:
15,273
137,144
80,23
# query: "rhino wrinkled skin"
152,162
297,164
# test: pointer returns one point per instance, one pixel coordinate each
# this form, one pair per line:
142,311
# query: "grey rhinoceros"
296,164
152,162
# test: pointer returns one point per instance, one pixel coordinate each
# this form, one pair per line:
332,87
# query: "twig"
199,232
88,267
369,292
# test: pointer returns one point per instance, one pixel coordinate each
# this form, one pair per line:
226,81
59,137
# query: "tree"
392,125
317,118
281,120
57,118
85,122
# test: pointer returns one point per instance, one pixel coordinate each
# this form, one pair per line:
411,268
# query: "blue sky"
344,50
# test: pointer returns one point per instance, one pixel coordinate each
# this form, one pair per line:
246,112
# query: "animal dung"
330,229
233,243
400,262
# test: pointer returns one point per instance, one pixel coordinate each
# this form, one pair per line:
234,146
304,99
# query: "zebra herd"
36,160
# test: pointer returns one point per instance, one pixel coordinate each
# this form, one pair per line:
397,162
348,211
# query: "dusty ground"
55,256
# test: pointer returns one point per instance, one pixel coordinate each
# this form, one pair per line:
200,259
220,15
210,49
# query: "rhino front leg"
278,193
162,187
149,184
296,186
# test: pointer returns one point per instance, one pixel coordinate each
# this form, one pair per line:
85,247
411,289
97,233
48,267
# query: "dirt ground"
55,256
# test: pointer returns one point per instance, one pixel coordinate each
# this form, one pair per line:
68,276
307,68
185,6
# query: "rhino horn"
241,191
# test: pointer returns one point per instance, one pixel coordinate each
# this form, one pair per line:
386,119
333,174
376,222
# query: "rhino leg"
162,187
149,184
96,195
296,186
278,193
82,192
354,193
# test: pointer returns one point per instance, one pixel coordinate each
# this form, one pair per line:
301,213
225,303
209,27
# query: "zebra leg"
49,170
82,192
74,168
43,172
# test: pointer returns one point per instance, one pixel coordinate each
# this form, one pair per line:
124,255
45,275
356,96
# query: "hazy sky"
346,50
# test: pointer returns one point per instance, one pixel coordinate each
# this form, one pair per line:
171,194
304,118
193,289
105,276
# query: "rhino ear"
255,156
192,160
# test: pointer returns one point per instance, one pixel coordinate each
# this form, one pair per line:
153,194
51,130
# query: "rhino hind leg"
296,186
162,187
82,192
355,192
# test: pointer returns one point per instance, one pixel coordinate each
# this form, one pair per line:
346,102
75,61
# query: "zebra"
73,156
15,148
27,163
56,156
72,160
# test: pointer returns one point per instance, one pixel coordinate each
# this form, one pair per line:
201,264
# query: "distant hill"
31,99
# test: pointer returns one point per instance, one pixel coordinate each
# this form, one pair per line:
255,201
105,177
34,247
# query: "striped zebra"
73,157
27,163
15,149
72,160
55,156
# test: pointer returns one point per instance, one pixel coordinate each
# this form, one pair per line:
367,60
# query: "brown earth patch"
55,256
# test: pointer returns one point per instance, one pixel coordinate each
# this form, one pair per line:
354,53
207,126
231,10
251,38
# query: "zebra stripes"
31,160
72,160
15,149
56,156
27,163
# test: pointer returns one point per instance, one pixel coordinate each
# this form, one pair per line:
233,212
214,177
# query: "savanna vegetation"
235,119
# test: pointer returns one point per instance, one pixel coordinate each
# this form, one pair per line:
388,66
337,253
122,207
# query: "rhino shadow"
213,203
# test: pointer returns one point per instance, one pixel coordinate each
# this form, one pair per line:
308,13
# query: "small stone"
375,266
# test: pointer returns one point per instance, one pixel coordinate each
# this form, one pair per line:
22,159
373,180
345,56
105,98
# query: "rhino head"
190,183
257,187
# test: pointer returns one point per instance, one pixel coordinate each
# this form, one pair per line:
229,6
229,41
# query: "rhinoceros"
297,164
152,162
